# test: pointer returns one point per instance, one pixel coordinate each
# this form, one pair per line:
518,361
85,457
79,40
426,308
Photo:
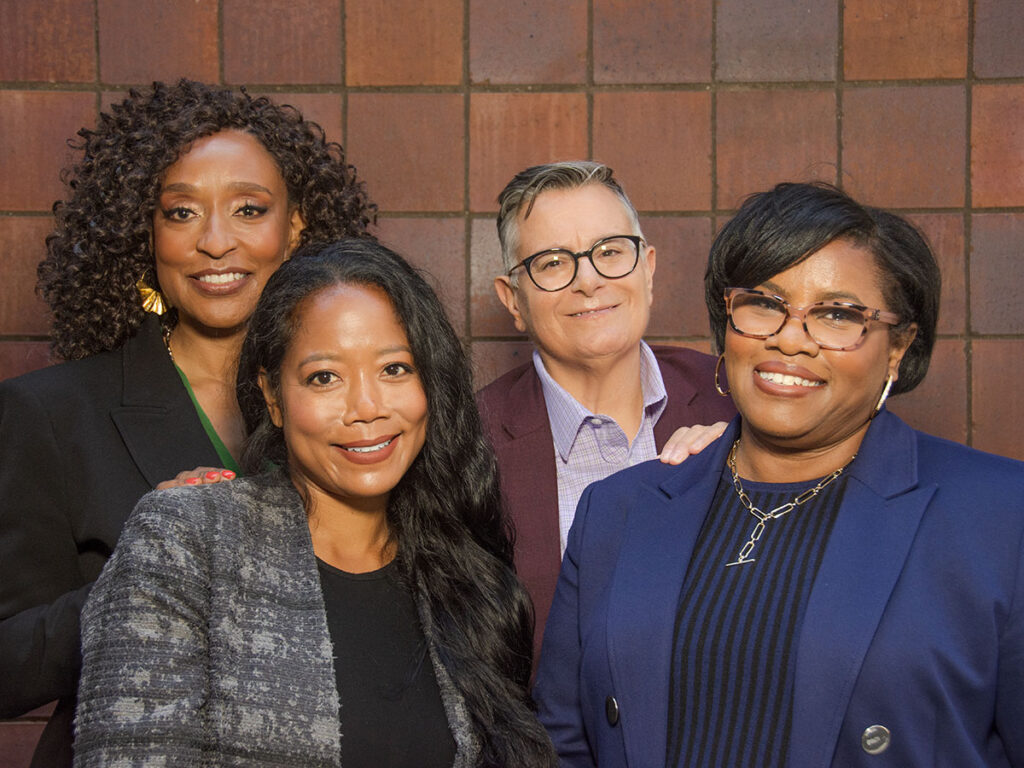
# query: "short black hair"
778,229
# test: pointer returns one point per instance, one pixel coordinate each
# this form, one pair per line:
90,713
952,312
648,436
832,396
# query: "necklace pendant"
742,558
741,561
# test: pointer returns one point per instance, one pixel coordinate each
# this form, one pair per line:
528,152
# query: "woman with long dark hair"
376,537
184,200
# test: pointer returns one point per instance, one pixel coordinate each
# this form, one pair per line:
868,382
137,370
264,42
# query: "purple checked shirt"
589,446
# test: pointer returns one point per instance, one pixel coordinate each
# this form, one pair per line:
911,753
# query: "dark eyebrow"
331,357
237,186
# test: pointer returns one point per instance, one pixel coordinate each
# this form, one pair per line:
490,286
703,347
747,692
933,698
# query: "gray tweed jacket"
205,639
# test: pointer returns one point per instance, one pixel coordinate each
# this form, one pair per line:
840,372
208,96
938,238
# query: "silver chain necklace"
762,517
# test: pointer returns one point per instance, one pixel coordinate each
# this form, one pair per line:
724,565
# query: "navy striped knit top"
736,627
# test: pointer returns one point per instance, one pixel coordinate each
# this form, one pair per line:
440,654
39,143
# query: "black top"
392,715
733,653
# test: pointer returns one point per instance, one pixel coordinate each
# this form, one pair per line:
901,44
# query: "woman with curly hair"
378,539
186,199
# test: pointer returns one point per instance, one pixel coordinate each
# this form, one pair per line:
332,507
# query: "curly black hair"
101,244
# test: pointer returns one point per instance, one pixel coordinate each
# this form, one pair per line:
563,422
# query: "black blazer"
80,443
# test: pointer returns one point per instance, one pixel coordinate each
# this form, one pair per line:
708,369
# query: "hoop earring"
885,394
152,299
718,386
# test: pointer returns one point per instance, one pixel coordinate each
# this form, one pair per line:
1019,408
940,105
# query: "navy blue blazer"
915,620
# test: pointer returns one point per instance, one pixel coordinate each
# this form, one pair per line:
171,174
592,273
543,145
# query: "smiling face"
595,318
350,400
221,227
793,394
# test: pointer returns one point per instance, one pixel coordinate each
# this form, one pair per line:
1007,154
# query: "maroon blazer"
516,420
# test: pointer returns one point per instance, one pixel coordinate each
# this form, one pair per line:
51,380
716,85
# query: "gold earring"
152,299
718,386
885,394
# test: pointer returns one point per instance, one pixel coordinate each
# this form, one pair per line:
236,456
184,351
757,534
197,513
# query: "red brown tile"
487,315
493,358
767,136
660,41
938,405
410,149
997,145
294,42
775,40
904,146
22,243
997,400
324,109
530,41
512,131
998,30
136,46
51,41
438,247
896,40
682,245
110,98
997,272
34,129
697,346
659,144
945,235
403,42
16,358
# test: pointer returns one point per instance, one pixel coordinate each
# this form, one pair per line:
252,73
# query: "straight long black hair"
453,539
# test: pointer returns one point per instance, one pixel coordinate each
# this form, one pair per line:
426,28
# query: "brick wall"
913,106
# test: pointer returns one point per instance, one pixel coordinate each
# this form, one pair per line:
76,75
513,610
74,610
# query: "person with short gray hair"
578,280
520,194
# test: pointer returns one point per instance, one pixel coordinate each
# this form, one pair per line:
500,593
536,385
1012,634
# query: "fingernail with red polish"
212,475
193,481
228,474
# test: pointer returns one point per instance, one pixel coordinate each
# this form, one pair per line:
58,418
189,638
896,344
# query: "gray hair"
521,193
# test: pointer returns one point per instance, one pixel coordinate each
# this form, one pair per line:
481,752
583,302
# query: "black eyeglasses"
835,325
556,268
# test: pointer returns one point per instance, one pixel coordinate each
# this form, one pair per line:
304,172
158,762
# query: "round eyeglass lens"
553,270
834,325
615,257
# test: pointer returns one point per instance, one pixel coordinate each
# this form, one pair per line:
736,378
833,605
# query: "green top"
227,460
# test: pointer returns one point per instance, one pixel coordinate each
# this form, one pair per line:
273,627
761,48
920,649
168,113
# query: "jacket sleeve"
41,588
1010,685
145,644
557,690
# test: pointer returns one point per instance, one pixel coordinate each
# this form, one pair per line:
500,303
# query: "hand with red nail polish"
198,476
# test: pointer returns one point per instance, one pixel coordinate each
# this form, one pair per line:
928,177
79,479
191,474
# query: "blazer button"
875,739
611,710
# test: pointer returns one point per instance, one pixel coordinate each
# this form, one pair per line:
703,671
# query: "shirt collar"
567,415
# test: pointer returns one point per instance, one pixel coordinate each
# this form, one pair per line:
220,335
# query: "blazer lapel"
157,420
663,526
527,453
880,515
678,411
